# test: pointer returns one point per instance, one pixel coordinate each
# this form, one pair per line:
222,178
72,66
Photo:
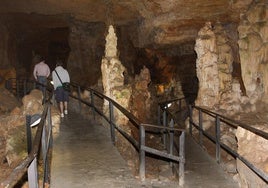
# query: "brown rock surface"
7,101
12,128
164,22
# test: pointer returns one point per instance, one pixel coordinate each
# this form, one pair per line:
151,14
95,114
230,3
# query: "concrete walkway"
84,157
201,170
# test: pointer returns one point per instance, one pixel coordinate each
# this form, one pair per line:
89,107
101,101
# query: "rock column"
207,67
113,74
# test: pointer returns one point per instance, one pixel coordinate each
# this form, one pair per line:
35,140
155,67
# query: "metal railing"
96,98
219,121
23,86
170,114
40,147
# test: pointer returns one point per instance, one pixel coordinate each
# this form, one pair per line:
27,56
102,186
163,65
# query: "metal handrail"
140,143
42,142
168,118
230,122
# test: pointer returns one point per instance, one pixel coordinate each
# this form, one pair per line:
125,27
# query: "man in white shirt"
60,76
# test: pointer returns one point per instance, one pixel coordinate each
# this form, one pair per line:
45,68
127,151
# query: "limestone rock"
264,33
253,51
32,103
230,167
7,101
111,43
257,13
12,126
16,144
255,42
254,148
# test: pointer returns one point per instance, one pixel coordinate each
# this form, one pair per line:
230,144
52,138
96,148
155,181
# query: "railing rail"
139,144
42,142
169,115
218,118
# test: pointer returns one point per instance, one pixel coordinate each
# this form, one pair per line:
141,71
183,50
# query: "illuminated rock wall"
207,67
113,75
253,44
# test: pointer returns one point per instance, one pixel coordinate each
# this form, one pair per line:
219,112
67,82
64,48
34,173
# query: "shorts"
61,95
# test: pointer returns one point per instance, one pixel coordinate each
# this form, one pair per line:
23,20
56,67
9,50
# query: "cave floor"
83,156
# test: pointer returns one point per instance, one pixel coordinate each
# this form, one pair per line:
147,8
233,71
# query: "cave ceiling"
157,21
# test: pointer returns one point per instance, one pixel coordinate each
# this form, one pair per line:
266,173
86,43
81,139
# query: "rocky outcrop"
13,138
141,99
16,132
253,49
207,67
254,149
158,22
113,73
7,101
221,91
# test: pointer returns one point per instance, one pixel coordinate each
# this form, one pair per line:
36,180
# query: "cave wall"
8,54
253,49
214,64
86,42
8,48
233,81
232,68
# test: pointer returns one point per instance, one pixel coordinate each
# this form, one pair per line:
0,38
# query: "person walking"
59,76
41,73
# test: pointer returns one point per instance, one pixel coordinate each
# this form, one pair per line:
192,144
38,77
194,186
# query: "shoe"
65,112
61,115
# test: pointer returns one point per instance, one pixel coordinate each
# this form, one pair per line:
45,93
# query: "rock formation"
113,75
218,48
220,90
13,137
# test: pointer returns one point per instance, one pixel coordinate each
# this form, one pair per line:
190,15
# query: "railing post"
28,133
165,125
142,153
182,158
79,97
111,109
49,145
218,146
171,139
50,127
44,152
92,102
32,174
200,127
190,119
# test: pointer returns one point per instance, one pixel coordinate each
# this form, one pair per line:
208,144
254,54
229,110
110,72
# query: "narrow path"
201,170
83,156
